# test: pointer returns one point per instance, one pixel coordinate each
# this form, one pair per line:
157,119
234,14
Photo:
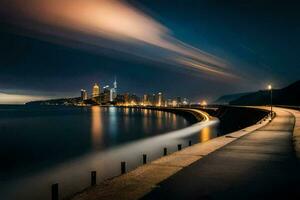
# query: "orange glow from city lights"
96,126
205,134
203,103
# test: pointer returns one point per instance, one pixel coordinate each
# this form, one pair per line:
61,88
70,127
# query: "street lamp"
271,96
203,103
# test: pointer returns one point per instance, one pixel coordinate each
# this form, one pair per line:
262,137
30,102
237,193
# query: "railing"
286,106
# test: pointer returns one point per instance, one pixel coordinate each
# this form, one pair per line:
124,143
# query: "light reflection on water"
206,134
107,125
96,127
112,122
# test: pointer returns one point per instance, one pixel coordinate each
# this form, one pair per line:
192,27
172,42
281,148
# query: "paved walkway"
259,165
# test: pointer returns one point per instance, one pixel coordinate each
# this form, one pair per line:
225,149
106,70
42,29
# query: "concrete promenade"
260,165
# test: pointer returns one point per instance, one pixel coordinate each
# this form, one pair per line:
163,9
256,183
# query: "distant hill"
228,98
62,101
289,95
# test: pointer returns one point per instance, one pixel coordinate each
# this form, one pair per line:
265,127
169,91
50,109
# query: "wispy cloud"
200,66
111,24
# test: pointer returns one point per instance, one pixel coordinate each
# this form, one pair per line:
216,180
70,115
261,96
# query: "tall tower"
115,84
113,91
159,99
84,94
96,90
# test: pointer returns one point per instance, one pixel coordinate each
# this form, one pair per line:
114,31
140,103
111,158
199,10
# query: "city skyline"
107,95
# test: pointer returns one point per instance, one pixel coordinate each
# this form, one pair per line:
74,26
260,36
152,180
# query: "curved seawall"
192,114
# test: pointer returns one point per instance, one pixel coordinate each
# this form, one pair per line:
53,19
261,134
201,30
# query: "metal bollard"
144,159
123,167
179,147
165,151
93,178
190,142
54,191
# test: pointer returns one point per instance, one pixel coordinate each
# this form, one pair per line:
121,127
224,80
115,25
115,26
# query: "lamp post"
271,96
203,104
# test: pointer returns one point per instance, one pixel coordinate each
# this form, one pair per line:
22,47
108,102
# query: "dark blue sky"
259,40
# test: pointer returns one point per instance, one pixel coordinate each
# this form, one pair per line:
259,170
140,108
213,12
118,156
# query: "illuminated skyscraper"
169,102
106,94
126,98
152,100
160,99
84,94
113,91
185,101
115,84
111,94
179,101
146,99
96,90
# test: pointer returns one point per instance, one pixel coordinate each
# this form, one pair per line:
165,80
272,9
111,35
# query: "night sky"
196,49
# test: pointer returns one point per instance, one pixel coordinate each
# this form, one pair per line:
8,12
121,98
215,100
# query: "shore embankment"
191,114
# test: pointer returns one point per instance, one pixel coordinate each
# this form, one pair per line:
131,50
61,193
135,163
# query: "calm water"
33,137
38,143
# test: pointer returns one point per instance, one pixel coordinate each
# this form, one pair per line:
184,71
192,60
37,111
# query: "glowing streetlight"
271,98
203,103
270,87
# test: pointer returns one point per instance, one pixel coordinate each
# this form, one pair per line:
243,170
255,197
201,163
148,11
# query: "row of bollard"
54,188
264,119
